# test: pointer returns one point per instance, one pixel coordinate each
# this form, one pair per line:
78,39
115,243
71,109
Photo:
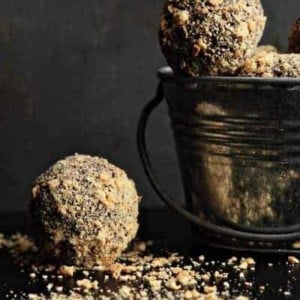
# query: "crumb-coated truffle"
294,40
271,64
84,211
210,37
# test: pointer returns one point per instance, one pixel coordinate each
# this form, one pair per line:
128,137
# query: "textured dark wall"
74,76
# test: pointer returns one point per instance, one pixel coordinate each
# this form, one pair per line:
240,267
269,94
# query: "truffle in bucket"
294,41
84,211
210,37
272,64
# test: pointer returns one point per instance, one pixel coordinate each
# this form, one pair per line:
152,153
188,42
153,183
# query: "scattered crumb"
242,298
142,274
261,288
172,285
67,271
125,292
293,260
87,284
50,286
296,245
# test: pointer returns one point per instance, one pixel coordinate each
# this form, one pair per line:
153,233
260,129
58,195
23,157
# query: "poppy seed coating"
84,211
210,37
271,64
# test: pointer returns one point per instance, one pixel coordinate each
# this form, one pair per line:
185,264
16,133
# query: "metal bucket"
238,144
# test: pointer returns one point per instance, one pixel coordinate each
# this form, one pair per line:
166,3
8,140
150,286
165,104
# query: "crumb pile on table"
145,271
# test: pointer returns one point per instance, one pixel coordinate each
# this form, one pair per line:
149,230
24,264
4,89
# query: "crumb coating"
271,64
84,211
210,37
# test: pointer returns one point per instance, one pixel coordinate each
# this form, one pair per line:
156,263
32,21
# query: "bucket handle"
223,231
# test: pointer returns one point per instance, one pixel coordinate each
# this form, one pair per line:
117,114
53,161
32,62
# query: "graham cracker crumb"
67,271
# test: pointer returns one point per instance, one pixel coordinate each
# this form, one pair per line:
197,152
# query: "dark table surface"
282,281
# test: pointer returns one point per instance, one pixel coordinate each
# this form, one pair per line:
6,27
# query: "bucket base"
240,246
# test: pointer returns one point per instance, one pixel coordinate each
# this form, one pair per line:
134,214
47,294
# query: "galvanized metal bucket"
238,144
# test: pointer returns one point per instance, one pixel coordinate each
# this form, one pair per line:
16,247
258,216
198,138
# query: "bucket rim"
166,74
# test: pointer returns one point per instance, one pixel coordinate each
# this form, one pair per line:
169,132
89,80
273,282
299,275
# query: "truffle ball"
84,211
294,40
271,64
210,37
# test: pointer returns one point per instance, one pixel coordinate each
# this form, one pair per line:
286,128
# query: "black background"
74,76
